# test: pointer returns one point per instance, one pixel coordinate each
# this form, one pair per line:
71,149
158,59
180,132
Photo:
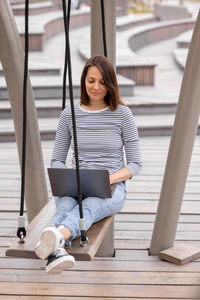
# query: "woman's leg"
51,237
95,209
63,206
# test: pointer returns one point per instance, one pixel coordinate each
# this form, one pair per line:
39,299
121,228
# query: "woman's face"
95,85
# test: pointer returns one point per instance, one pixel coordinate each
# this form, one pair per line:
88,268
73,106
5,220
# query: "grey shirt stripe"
106,139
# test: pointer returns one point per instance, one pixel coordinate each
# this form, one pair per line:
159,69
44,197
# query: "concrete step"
22,1
35,7
46,25
40,64
184,39
180,53
50,87
132,20
148,125
180,56
51,108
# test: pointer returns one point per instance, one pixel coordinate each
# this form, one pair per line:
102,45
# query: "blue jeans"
94,210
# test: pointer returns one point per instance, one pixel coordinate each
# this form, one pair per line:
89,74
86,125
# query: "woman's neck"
94,106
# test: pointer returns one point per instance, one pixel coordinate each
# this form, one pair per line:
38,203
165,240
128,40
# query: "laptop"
94,183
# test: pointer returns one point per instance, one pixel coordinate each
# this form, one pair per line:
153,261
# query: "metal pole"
180,151
96,28
12,58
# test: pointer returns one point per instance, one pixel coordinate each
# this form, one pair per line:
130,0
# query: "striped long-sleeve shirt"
104,136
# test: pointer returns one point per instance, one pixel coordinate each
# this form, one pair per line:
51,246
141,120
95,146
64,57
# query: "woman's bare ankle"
65,233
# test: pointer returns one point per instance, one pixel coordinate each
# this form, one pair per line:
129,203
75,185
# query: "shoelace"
59,252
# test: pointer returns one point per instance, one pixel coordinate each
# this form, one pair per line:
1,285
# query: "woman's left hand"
121,175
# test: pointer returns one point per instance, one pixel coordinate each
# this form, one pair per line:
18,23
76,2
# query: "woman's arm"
121,175
62,141
131,143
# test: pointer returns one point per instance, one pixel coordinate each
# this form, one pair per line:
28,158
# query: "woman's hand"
121,175
110,178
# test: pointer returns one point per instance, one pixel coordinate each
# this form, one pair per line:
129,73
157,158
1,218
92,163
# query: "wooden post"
180,151
96,29
107,248
12,58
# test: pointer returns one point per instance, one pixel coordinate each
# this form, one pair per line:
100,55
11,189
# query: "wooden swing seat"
100,238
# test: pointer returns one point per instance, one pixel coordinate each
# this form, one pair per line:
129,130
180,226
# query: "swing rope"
21,231
84,240
103,28
66,19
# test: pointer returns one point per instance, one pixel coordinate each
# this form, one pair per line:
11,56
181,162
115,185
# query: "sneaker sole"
47,244
60,264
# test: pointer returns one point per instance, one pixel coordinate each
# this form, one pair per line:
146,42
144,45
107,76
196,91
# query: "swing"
99,237
100,234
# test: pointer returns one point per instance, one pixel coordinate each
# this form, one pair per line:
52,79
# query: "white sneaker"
59,261
50,240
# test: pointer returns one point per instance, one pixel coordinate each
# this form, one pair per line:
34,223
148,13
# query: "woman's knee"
65,203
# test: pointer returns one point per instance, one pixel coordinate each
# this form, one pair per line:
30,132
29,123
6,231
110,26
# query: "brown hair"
112,98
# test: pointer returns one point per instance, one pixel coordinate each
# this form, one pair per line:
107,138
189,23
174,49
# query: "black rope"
66,27
21,232
68,62
24,109
103,28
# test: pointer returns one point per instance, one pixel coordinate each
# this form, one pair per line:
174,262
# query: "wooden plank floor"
132,273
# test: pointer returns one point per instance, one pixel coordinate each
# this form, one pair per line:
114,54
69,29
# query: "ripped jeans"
94,210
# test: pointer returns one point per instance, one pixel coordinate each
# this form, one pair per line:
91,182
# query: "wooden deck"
131,274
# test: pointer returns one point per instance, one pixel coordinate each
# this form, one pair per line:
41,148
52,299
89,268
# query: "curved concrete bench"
181,52
183,40
35,8
133,20
170,11
141,69
31,1
152,33
180,57
128,63
44,26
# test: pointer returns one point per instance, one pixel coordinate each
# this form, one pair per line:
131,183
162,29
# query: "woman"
105,128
